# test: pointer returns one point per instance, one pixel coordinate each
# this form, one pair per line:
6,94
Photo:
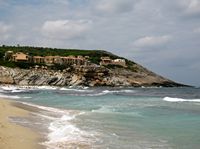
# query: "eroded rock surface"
84,76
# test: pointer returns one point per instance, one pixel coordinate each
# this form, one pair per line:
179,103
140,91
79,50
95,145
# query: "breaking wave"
9,96
62,132
169,99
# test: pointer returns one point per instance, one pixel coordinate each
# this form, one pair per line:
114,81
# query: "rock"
86,76
76,80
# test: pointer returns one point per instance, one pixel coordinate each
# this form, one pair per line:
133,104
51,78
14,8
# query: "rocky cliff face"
84,76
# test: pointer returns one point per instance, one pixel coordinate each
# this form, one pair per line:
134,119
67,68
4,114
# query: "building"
69,60
48,60
72,60
57,60
105,61
8,55
38,59
120,62
20,57
109,61
80,60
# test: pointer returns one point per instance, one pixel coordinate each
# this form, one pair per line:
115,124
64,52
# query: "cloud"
152,41
66,29
59,1
197,30
193,7
189,7
4,31
115,6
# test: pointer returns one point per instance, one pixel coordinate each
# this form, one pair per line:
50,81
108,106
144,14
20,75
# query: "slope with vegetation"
94,55
111,75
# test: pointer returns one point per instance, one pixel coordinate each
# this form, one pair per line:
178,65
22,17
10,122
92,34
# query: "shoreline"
12,135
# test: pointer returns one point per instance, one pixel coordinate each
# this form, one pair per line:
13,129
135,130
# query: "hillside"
93,74
94,55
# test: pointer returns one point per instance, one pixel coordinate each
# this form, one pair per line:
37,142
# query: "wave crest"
170,99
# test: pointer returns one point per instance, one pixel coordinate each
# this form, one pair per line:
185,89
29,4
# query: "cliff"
85,76
128,73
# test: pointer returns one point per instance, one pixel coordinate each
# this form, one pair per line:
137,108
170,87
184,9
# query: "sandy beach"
13,136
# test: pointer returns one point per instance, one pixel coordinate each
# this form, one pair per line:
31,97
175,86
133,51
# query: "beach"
13,136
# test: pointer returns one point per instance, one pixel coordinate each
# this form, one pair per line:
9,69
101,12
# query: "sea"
110,118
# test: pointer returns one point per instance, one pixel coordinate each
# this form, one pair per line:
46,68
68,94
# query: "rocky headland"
38,66
85,76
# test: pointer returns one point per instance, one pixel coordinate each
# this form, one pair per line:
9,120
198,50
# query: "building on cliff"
67,60
108,61
20,57
120,62
71,60
38,59
8,56
48,60
52,60
105,61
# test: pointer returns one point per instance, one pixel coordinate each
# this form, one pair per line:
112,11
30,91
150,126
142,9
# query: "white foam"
9,96
64,134
128,91
16,89
169,99
65,89
46,87
26,97
85,87
151,87
103,109
104,92
97,94
48,108
91,94
73,89
8,88
118,91
61,129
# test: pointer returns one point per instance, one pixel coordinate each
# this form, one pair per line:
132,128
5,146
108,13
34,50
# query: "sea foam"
9,96
62,132
170,99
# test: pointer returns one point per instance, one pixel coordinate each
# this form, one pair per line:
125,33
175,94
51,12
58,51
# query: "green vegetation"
114,66
60,67
23,65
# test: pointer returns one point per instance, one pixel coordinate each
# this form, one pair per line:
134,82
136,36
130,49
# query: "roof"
38,57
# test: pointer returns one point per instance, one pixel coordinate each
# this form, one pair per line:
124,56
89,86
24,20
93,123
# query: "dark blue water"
117,117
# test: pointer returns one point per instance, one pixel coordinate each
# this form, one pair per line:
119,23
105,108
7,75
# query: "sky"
161,35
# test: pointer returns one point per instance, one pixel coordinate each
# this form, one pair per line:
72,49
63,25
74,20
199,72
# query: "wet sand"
13,136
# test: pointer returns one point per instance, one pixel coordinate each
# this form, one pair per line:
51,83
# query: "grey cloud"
5,31
184,9
65,29
197,30
152,41
114,6
192,7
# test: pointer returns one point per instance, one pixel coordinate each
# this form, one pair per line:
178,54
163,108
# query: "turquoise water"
135,118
